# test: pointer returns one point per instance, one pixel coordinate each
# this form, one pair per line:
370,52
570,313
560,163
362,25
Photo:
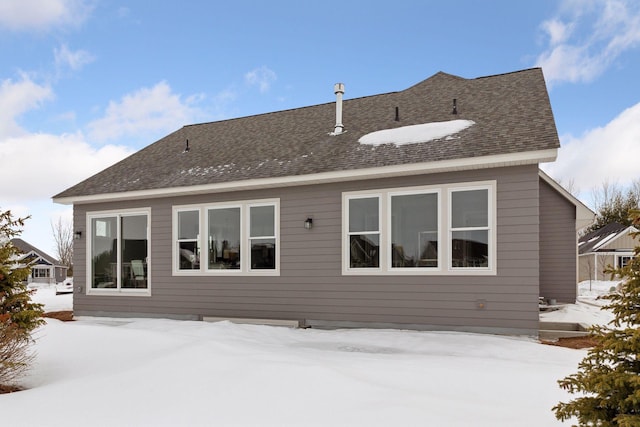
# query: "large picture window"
414,230
239,238
118,247
224,238
444,229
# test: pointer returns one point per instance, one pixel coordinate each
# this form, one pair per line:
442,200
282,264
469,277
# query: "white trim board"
467,163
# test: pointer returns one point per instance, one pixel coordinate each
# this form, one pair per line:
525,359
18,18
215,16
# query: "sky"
85,83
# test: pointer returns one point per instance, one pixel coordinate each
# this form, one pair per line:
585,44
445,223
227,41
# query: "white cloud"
588,37
27,15
74,60
600,154
16,98
148,111
261,77
38,166
41,165
558,31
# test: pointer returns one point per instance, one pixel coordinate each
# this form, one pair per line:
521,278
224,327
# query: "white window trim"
247,241
382,254
204,261
491,228
176,241
389,260
117,291
444,230
245,254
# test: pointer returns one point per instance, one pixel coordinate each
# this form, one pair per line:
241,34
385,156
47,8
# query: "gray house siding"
558,246
311,287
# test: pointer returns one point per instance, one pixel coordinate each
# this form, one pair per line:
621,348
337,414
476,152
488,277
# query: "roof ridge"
268,113
508,73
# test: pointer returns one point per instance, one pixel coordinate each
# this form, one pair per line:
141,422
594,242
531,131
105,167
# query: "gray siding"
558,246
311,286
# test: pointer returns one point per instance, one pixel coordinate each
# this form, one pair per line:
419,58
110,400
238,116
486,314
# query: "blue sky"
84,83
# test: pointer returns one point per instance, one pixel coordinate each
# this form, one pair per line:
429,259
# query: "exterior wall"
593,265
624,243
311,287
558,246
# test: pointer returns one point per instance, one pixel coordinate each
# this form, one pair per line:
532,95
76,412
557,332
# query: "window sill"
225,273
420,272
119,292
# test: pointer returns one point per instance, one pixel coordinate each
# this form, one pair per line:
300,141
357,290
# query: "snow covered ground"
586,310
152,372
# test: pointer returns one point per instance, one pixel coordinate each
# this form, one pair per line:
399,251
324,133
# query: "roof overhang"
467,163
584,215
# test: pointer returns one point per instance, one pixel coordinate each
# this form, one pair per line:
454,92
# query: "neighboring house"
609,246
423,208
44,268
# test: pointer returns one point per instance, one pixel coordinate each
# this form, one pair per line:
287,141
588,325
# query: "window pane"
263,254
134,251
363,215
188,225
189,257
224,238
262,221
364,250
104,252
470,208
414,230
470,248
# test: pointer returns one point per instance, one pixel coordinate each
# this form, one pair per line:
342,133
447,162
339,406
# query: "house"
44,268
423,208
609,246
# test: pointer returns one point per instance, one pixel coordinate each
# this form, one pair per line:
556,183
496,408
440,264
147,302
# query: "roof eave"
468,163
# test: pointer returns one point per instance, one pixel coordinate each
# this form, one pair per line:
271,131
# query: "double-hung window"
187,242
118,249
470,228
364,232
443,229
237,238
262,237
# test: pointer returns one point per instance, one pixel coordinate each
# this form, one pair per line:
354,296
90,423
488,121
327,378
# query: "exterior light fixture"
77,235
308,223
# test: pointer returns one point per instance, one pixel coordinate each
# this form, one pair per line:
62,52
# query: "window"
445,229
240,238
224,238
469,227
623,260
414,230
364,232
262,237
118,247
40,272
188,236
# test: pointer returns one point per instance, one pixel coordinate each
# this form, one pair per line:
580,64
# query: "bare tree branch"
63,237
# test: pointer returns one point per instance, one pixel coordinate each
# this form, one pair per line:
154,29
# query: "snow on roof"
605,240
415,134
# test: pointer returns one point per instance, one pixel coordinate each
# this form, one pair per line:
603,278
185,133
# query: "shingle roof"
512,114
591,242
25,248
